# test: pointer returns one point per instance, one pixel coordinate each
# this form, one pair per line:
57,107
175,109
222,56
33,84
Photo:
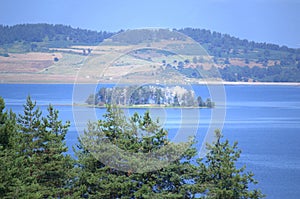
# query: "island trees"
177,96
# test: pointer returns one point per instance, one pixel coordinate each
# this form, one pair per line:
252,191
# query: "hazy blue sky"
274,21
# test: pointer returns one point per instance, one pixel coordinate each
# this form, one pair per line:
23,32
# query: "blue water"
265,120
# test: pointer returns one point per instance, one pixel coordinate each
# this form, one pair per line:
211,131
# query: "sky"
271,21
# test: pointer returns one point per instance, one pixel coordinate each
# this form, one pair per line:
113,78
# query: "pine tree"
176,101
34,164
8,136
45,167
7,126
53,165
12,162
219,175
100,176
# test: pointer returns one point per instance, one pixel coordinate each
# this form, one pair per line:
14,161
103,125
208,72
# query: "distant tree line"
48,33
34,162
144,35
275,73
215,40
151,94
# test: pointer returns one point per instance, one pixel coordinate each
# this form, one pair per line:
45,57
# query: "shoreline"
145,106
259,83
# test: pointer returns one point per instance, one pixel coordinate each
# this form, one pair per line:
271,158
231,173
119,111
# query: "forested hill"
243,60
55,34
237,59
217,44
214,41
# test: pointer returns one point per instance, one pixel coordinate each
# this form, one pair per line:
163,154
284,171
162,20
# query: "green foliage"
200,101
117,157
221,177
275,73
216,43
7,126
91,100
209,103
38,168
40,37
137,36
146,95
7,144
113,175
215,177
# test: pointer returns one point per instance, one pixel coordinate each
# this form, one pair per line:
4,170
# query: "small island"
148,96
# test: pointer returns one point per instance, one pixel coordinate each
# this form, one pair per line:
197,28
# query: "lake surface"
265,120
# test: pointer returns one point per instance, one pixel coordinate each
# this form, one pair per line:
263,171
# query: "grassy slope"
111,64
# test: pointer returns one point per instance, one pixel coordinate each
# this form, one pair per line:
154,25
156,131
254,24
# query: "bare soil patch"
27,63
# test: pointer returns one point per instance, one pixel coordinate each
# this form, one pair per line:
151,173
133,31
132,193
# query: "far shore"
255,83
193,83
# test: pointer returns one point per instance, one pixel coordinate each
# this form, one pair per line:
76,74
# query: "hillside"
55,53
